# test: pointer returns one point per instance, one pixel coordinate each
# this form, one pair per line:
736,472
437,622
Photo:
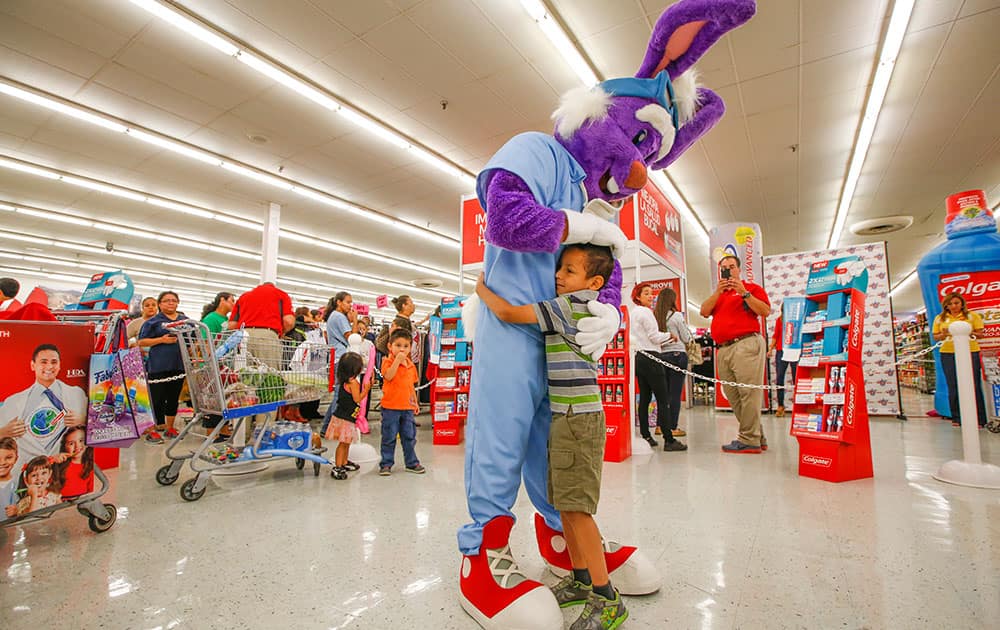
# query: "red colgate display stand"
829,411
613,373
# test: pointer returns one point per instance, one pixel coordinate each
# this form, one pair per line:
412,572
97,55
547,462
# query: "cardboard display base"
107,458
834,461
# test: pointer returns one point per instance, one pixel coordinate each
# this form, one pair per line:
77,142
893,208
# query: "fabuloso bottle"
968,263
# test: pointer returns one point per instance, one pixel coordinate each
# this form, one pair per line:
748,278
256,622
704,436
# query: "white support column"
269,244
970,471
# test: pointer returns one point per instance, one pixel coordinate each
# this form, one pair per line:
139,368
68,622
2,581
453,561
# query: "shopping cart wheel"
97,525
163,476
187,490
994,426
316,469
300,463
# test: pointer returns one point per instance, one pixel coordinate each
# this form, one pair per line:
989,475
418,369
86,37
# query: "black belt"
740,338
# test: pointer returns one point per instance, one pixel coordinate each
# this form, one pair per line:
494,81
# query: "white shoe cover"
535,610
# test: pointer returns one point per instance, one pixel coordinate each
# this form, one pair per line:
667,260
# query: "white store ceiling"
796,76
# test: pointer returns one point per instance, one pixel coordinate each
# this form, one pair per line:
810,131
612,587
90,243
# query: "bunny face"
615,148
622,127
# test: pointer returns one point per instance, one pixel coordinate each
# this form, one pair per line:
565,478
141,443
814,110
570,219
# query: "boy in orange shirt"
399,401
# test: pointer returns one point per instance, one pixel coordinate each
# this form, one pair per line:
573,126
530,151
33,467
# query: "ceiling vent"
881,225
427,283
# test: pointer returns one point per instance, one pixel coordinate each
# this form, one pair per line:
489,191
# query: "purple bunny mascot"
539,193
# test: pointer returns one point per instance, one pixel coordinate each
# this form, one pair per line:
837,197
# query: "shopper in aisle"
781,367
578,433
399,400
265,312
953,309
651,377
9,288
215,314
674,352
148,309
736,308
344,420
341,323
164,365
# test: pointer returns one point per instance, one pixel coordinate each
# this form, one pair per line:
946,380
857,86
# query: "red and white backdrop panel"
785,275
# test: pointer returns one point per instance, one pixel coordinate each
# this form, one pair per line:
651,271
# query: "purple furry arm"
516,221
611,293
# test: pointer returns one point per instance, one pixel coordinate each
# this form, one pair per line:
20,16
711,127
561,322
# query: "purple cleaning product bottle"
967,263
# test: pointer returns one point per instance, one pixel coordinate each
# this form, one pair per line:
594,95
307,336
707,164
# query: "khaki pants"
743,362
263,345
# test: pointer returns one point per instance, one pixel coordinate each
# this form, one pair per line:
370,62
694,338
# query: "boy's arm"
503,309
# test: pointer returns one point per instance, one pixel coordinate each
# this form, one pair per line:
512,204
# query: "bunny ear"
710,111
689,28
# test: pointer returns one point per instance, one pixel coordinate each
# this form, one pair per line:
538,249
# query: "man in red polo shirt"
736,309
265,313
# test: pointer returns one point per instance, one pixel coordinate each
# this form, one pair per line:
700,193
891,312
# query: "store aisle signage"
473,231
659,225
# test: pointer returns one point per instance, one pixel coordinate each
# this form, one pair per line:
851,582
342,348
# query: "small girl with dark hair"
35,486
73,472
345,415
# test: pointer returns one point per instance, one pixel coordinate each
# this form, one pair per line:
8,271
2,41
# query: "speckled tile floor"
742,542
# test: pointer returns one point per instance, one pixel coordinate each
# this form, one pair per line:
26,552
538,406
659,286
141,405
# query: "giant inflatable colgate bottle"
967,263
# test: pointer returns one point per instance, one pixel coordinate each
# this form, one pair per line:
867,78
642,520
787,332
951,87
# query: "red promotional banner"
659,225
473,232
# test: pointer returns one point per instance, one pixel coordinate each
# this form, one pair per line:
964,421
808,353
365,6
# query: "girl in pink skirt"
345,414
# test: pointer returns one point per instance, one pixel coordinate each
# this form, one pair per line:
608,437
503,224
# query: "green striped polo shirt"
572,374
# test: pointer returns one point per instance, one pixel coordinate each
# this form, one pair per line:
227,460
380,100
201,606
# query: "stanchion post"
970,471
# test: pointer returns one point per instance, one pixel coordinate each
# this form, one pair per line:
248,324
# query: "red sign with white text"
473,232
659,225
981,290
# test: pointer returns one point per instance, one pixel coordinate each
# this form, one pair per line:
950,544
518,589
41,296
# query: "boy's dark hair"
349,366
600,262
43,347
9,287
8,444
399,333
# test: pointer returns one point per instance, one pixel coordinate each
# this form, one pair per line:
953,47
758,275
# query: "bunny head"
620,128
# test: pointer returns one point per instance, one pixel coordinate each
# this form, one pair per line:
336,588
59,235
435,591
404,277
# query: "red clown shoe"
495,592
630,571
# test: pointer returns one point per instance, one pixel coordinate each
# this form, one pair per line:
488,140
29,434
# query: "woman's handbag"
694,353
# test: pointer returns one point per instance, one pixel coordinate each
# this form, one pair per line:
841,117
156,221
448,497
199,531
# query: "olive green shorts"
576,455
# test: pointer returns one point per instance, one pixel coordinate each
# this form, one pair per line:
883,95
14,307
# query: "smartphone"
725,273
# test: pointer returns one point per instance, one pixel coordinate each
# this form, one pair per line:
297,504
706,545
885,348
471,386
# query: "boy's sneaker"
571,592
739,447
172,433
418,469
154,438
676,445
351,466
601,613
384,471
338,472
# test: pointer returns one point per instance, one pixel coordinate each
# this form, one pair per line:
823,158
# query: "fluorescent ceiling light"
25,168
902,283
898,21
677,201
261,177
104,188
276,73
251,173
62,108
181,207
176,147
558,37
288,80
51,216
187,25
